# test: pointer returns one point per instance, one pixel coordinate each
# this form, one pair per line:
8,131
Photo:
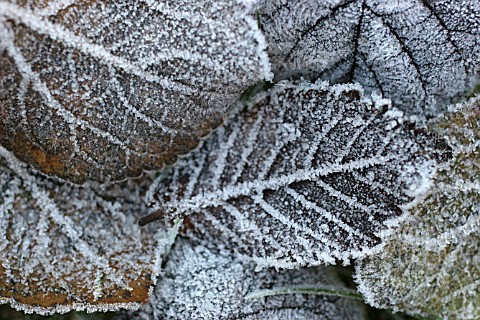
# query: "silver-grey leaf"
199,283
305,175
99,90
66,248
418,53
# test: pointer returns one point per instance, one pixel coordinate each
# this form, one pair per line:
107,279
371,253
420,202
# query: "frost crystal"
199,283
99,90
418,53
431,265
305,175
64,247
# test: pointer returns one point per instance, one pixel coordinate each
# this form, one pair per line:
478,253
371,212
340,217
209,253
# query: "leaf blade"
202,283
435,250
66,248
259,195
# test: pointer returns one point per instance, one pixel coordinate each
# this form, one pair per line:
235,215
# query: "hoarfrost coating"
418,53
305,175
66,248
202,283
100,90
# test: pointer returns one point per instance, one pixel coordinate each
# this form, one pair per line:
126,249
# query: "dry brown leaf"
99,90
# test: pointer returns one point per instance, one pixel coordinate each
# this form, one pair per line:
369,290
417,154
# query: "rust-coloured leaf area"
102,90
55,297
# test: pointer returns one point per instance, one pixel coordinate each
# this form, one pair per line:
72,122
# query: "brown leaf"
98,90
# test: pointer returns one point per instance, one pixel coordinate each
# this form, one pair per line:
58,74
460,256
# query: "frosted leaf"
305,175
199,283
431,265
419,53
65,247
99,90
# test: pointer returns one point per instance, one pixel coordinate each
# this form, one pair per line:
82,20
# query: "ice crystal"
419,53
199,283
99,90
431,265
305,175
65,247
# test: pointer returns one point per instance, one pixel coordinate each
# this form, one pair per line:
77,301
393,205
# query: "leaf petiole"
342,293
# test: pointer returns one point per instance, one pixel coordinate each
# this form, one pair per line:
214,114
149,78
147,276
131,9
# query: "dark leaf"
419,53
305,175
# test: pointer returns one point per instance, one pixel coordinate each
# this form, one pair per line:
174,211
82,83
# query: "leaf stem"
342,293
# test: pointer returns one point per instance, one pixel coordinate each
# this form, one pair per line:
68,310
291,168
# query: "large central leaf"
99,90
306,175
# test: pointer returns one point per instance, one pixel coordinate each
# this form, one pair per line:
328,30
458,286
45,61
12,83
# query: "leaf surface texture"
65,247
202,283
